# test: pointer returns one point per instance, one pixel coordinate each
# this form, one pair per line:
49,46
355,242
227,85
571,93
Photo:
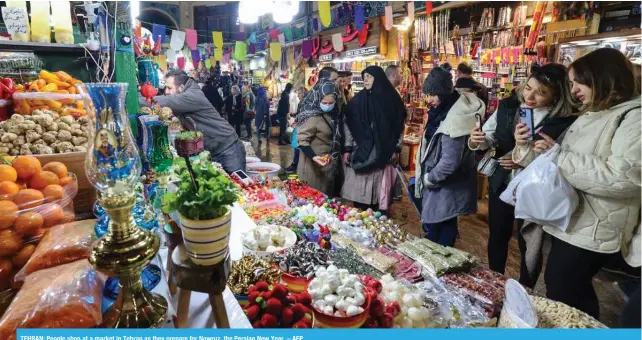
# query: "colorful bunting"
158,31
180,62
359,16
177,40
388,22
306,48
217,38
240,51
191,38
287,30
275,51
337,42
196,57
218,53
324,13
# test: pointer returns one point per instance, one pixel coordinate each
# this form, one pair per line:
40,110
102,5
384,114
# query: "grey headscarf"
311,104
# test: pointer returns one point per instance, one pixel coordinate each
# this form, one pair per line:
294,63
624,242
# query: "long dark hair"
610,76
555,77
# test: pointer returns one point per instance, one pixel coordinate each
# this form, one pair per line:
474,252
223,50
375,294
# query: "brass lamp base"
123,252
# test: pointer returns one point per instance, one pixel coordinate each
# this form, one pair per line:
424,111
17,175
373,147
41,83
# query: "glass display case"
627,41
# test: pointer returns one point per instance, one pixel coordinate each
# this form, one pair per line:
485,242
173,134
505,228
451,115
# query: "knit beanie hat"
438,82
465,83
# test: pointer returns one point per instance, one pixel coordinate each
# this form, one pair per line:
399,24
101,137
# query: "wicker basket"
75,162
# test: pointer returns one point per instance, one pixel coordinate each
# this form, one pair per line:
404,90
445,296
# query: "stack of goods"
302,191
553,314
437,259
313,217
299,263
409,302
348,258
383,229
261,214
404,268
32,199
42,132
268,239
248,271
66,296
273,306
486,294
52,91
253,192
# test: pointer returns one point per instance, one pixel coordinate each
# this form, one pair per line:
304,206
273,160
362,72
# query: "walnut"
44,120
43,150
64,126
80,148
49,137
8,137
25,149
64,135
79,140
39,142
84,121
55,145
14,129
77,132
4,150
53,127
33,136
39,129
67,120
19,141
65,147
18,118
14,152
27,125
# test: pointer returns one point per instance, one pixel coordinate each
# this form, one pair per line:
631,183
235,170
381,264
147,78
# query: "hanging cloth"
337,42
208,63
288,33
282,39
253,37
180,62
240,51
324,13
315,24
191,38
428,7
171,57
196,57
274,34
359,16
388,22
162,62
217,38
177,40
363,35
158,31
411,11
275,51
218,53
306,48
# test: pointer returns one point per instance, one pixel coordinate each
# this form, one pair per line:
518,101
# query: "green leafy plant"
215,193
187,135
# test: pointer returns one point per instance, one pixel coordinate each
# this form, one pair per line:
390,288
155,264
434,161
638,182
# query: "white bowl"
251,160
252,169
290,240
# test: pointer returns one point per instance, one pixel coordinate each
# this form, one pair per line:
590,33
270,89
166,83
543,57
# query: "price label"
15,19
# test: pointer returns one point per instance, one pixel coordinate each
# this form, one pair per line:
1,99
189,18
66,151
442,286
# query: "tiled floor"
473,235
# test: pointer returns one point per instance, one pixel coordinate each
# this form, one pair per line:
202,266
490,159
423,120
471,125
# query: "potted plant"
203,210
189,143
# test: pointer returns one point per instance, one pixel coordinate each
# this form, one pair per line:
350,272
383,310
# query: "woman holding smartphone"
600,158
545,101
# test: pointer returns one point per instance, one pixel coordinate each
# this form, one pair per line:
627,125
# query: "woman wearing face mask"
600,158
319,137
235,108
547,93
375,120
446,177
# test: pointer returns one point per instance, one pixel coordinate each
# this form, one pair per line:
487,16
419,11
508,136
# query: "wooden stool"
174,237
203,279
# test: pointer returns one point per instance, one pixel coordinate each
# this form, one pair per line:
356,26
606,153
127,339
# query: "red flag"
428,7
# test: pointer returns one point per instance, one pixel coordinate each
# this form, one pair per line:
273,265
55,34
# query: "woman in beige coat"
319,137
600,158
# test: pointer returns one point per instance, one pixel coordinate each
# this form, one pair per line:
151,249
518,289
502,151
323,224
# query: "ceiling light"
586,43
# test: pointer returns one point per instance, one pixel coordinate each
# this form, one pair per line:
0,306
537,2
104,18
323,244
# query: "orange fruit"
8,190
52,214
66,180
21,258
70,216
21,184
57,168
8,214
28,224
10,242
8,173
6,272
28,198
53,192
26,166
40,180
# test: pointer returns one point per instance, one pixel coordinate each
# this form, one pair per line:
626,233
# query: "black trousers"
283,126
501,218
569,276
631,314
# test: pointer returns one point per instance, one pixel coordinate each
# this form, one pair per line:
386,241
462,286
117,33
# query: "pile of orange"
30,196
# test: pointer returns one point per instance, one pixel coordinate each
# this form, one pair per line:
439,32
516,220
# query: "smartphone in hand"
478,121
526,117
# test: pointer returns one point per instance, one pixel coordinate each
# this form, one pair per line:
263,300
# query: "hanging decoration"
324,13
411,11
428,8
171,57
253,37
208,63
162,62
218,54
359,16
180,62
363,35
217,38
307,48
287,31
274,34
177,40
275,51
196,57
158,31
388,22
240,51
337,42
282,38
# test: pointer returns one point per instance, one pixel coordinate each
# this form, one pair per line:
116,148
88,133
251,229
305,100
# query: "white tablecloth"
200,311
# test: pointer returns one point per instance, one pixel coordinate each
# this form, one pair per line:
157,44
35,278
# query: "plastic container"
252,160
518,310
270,169
6,109
65,104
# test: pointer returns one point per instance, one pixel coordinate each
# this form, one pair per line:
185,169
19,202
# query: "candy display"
313,216
44,132
488,296
67,296
404,268
302,259
338,293
410,303
435,258
300,190
268,238
273,306
553,314
52,91
249,270
348,258
259,214
382,313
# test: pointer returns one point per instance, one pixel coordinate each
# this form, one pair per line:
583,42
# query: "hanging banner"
158,31
275,51
196,57
359,16
288,33
324,13
362,36
337,42
177,40
212,61
191,38
218,53
240,36
428,7
162,62
171,57
282,38
217,38
411,11
208,63
306,48
180,62
253,38
388,22
274,34
240,51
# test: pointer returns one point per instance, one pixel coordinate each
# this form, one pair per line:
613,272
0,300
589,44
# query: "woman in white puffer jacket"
600,158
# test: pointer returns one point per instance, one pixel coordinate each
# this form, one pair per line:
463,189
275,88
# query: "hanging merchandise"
428,8
177,41
363,35
536,26
324,13
504,17
359,16
519,16
22,7
487,19
196,57
388,19
180,63
337,42
40,22
217,38
275,52
158,31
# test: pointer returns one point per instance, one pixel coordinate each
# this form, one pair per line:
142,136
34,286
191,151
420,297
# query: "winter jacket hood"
460,120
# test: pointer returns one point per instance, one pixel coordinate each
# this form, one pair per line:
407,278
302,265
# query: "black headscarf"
375,118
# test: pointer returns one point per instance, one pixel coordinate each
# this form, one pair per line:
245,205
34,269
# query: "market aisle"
473,235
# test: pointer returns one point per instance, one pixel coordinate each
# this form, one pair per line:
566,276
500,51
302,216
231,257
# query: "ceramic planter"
190,147
207,240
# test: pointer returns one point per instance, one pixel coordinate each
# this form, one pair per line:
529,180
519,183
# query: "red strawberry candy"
370,292
305,299
300,324
376,285
291,299
279,291
273,306
253,312
269,321
387,320
287,317
262,286
393,308
365,279
256,324
307,319
372,322
377,307
252,297
298,310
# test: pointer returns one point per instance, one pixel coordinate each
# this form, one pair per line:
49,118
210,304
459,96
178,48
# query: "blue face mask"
326,108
